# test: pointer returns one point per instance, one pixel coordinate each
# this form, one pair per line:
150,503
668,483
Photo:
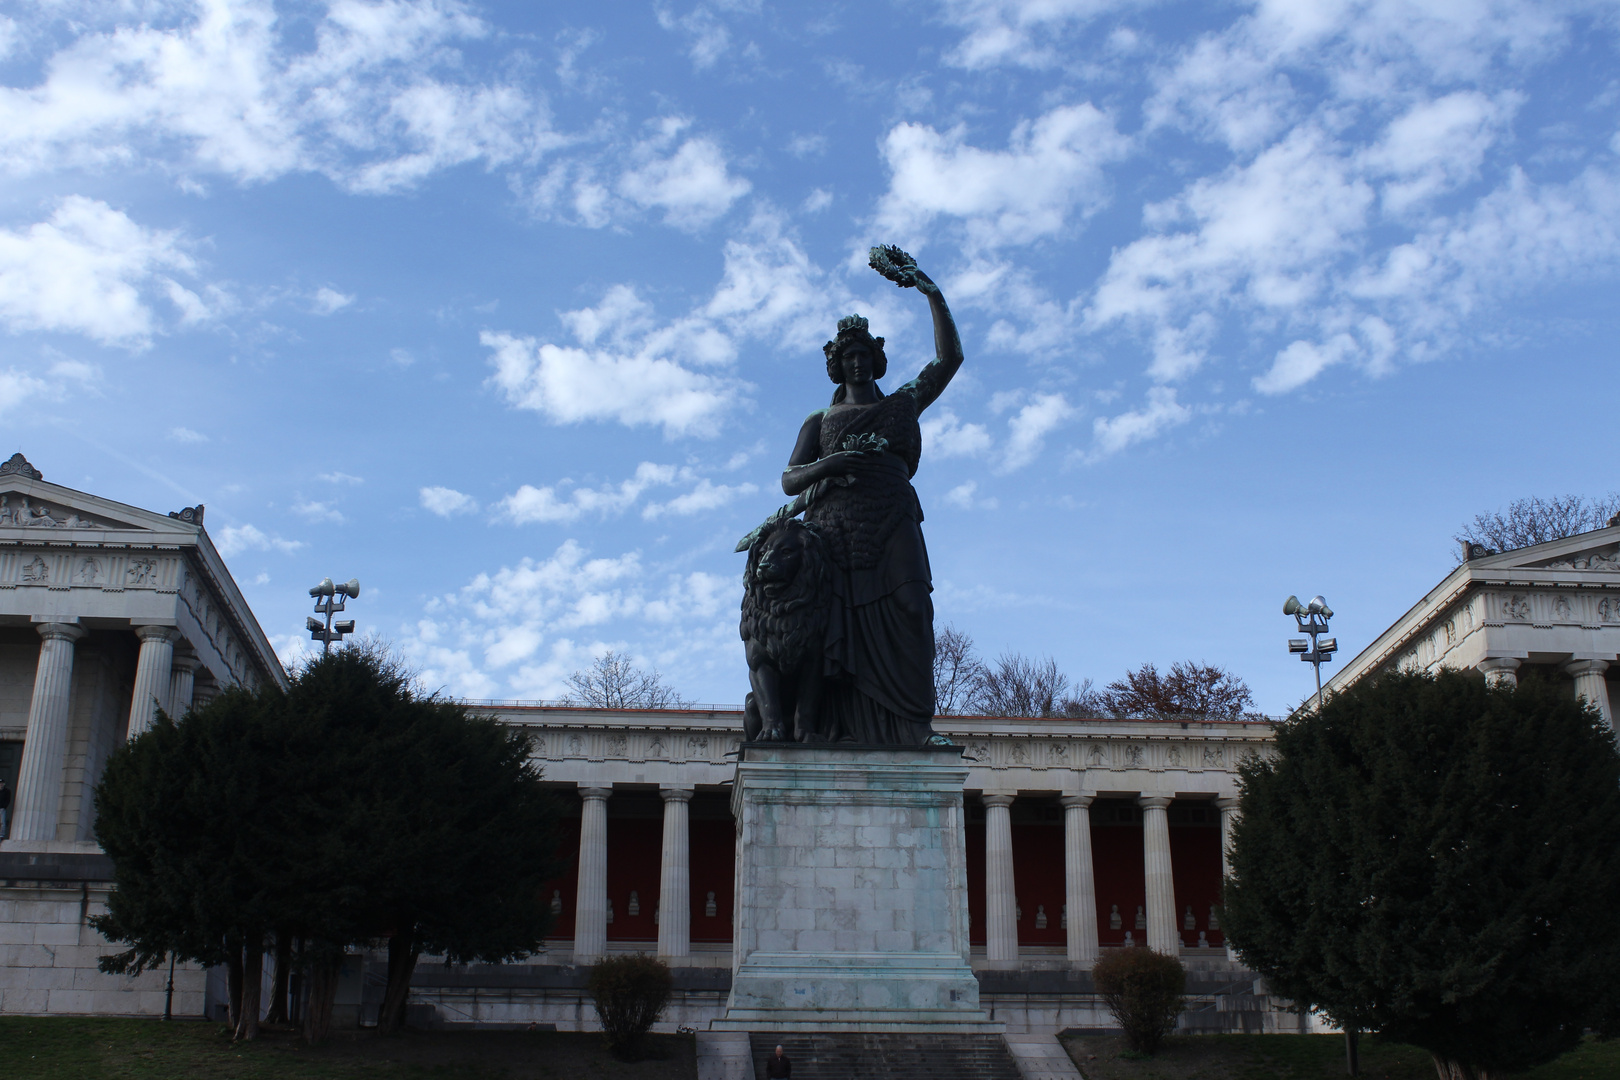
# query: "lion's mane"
794,621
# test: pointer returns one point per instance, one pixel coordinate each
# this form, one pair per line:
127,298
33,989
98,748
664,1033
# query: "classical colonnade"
164,678
1001,947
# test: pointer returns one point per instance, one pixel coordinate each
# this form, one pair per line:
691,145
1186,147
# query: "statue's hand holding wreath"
901,269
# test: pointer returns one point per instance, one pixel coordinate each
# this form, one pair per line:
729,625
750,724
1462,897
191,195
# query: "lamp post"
328,599
1312,619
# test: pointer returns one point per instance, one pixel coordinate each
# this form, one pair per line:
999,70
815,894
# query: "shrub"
1143,990
630,992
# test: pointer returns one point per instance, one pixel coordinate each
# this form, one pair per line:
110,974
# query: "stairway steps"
888,1056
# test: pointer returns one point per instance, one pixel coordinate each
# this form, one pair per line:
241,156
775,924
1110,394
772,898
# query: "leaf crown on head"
852,329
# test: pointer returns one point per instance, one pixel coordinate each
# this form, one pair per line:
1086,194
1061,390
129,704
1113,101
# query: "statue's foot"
775,734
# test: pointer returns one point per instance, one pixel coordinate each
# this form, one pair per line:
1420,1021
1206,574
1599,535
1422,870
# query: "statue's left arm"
902,269
933,379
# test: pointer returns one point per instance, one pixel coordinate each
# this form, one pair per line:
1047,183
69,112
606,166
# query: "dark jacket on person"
778,1068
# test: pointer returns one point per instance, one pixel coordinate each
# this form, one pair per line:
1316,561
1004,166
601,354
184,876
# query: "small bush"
1143,990
630,992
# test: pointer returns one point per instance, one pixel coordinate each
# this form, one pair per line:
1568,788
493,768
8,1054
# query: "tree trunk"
324,968
1450,1069
278,991
233,984
1352,1051
247,1023
403,949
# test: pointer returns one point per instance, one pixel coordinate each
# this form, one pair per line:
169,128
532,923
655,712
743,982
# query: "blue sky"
513,311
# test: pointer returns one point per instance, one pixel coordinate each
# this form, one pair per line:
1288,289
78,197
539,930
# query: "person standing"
779,1066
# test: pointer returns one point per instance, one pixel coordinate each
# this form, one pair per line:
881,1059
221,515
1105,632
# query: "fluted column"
39,780
153,672
675,877
1591,686
590,905
1079,882
1001,929
1500,670
1161,887
182,682
1229,815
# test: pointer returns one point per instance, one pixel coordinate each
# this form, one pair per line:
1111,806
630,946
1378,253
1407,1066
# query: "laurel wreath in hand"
894,264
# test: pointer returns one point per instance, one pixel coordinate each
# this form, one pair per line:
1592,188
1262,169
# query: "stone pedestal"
851,911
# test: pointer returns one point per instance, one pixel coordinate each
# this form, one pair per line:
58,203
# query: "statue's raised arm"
902,269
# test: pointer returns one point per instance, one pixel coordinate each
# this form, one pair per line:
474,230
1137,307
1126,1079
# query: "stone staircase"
887,1056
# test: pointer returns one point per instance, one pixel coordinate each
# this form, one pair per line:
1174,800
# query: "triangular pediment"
31,508
1598,550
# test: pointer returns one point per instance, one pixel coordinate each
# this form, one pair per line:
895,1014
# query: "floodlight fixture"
1312,619
329,599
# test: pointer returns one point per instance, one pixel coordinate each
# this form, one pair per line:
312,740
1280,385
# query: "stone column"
590,905
182,682
153,672
1229,815
39,779
1500,670
1591,686
1079,882
1161,887
675,877
1001,929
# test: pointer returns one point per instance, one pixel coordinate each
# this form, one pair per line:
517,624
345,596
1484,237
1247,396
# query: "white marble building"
1552,608
107,613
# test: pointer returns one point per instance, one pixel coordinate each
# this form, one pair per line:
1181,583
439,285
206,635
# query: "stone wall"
48,955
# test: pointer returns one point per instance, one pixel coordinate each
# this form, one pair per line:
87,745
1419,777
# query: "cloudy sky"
513,311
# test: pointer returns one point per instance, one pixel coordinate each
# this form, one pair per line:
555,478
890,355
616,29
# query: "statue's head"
853,333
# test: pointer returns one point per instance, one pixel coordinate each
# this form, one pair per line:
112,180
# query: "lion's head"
785,590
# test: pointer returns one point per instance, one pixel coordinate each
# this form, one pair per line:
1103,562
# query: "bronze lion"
786,592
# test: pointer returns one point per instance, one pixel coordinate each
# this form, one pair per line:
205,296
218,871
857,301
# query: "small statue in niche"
1203,940
1130,940
1114,921
1040,916
610,911
1018,910
635,905
1188,922
656,909
709,907
1214,918
1063,917
1141,918
556,901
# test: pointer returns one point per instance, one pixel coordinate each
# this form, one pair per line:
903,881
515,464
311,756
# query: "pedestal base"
851,911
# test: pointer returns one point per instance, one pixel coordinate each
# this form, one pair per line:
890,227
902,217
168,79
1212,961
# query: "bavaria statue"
837,616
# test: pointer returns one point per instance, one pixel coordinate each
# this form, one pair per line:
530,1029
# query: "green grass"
70,1048
1299,1057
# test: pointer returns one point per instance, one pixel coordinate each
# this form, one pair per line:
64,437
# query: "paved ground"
1041,1057
724,1055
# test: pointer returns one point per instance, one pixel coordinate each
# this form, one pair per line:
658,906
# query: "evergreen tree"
1439,861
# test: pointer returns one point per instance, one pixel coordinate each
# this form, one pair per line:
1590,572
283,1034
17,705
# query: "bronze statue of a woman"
837,612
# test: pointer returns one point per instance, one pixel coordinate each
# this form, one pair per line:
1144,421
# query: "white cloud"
186,435
378,102
1052,168
326,301
235,539
964,496
1018,31
690,184
84,270
531,504
18,386
710,38
705,496
1113,434
318,511
1436,146
1029,427
817,201
946,436
340,478
446,502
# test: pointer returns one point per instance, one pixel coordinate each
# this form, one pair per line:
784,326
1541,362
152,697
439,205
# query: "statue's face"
858,366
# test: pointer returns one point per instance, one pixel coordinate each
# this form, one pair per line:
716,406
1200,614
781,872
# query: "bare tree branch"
1020,686
614,682
1198,688
1536,520
957,671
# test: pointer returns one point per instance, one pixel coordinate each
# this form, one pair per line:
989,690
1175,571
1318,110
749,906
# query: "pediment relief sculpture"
17,509
1605,558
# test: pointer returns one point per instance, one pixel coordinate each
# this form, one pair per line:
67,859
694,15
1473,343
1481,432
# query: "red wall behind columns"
1038,881
1195,862
713,862
635,851
568,884
974,835
1116,857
